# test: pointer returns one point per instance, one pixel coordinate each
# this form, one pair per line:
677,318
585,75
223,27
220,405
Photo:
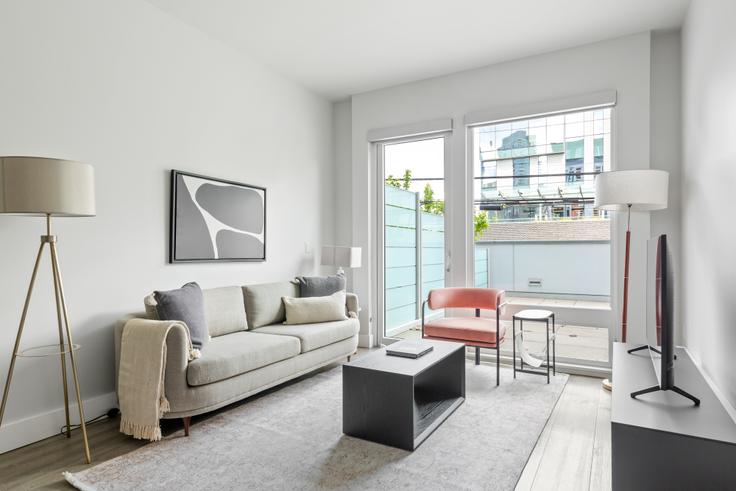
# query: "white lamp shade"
41,186
643,190
344,257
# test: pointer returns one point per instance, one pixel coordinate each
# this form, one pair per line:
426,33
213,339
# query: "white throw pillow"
315,309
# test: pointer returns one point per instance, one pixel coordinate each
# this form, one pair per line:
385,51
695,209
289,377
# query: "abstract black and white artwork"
216,220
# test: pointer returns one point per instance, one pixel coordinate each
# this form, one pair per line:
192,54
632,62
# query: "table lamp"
342,257
630,190
35,186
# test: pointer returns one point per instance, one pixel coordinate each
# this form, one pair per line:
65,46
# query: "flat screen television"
661,317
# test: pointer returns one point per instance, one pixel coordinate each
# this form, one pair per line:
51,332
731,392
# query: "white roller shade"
604,98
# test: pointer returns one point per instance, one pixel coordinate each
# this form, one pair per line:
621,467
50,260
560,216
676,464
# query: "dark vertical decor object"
216,220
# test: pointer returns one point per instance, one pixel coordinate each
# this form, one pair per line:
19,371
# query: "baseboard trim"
29,430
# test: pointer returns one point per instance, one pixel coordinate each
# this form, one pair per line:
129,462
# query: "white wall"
666,149
342,123
708,180
621,64
131,90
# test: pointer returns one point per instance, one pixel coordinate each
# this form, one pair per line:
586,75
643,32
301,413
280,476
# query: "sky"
425,158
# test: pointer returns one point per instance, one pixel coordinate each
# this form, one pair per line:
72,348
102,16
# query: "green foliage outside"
401,183
480,224
437,207
429,204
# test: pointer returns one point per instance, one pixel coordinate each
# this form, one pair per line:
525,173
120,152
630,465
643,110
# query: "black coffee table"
401,401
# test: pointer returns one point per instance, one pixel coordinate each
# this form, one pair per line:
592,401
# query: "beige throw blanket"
141,376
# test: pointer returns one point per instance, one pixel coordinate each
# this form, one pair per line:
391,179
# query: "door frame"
377,151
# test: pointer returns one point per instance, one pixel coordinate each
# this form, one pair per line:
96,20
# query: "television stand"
651,348
676,389
667,442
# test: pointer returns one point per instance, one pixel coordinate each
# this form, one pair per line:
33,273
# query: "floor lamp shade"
642,190
47,187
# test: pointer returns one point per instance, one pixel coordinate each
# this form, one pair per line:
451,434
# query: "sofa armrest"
118,336
177,356
351,303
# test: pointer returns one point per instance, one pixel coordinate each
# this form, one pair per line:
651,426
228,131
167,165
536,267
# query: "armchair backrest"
465,298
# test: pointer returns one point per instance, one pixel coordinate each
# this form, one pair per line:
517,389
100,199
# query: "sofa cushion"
224,310
263,304
239,352
313,336
311,310
468,329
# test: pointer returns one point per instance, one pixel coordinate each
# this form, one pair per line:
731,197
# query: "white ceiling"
342,47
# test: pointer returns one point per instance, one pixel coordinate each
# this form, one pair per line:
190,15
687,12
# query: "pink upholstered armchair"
480,332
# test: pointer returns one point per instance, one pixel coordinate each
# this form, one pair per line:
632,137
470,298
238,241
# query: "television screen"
653,305
660,318
660,308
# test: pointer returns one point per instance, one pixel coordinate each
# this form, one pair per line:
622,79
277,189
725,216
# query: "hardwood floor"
573,451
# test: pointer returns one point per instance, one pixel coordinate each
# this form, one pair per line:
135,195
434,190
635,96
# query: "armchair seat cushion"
239,352
468,329
313,336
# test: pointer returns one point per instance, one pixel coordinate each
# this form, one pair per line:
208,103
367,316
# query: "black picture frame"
173,225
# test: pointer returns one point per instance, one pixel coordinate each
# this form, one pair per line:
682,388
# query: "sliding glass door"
411,231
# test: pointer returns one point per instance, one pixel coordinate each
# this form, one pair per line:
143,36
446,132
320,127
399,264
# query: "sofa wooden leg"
349,357
477,355
187,420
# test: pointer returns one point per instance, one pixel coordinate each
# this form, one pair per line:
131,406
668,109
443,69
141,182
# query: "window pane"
533,218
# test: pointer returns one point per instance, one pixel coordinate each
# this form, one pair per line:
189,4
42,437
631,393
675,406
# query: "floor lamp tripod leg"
9,379
62,351
72,357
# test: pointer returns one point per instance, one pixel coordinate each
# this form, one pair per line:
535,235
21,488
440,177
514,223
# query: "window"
488,169
541,168
574,160
521,168
598,155
537,235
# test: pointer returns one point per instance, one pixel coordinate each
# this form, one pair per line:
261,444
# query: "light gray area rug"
292,439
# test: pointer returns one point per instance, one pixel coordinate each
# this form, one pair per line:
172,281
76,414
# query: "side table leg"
513,343
554,344
521,333
547,334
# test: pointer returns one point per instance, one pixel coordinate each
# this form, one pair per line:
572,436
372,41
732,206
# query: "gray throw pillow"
320,286
186,305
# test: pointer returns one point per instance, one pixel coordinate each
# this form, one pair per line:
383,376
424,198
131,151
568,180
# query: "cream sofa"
250,350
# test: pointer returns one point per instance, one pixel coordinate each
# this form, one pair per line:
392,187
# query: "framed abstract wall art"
216,220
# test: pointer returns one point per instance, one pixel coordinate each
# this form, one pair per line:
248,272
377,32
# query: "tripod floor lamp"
630,190
44,187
